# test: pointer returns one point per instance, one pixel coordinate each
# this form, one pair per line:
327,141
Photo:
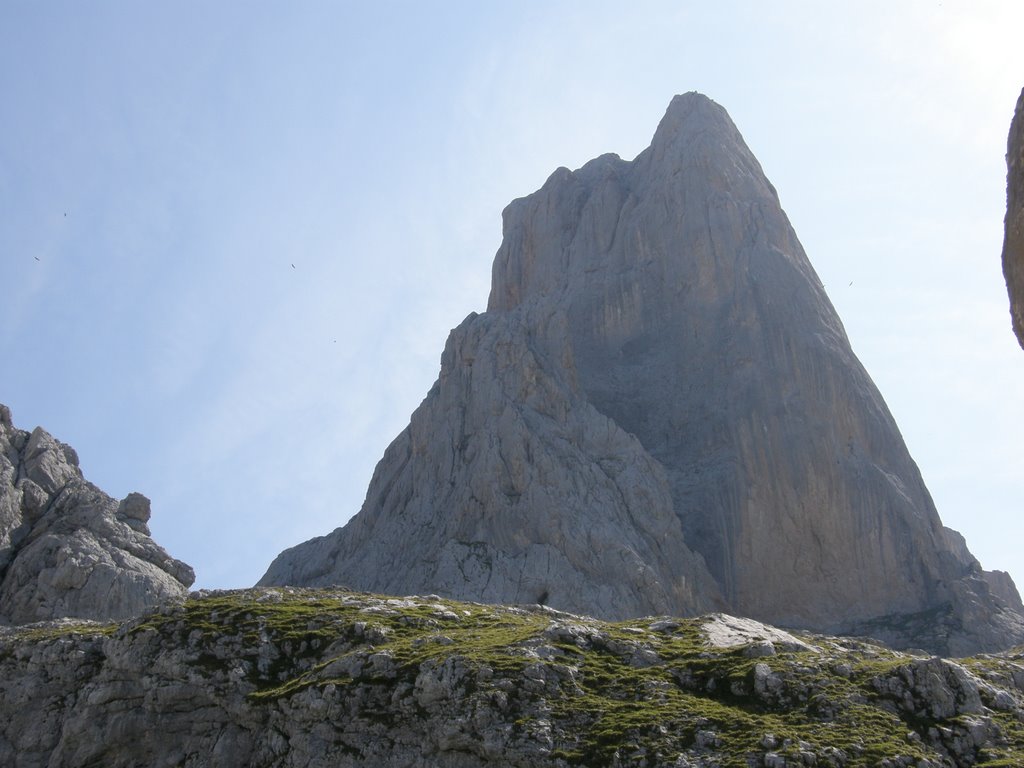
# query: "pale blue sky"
201,149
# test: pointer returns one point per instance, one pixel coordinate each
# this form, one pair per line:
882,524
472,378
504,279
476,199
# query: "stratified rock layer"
660,412
318,679
66,548
1013,244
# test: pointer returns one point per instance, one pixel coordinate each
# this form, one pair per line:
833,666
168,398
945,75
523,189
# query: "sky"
234,236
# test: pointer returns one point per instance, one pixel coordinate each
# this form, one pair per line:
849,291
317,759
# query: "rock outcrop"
1013,243
296,678
515,488
660,412
66,548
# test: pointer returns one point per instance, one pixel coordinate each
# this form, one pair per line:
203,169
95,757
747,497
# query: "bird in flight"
293,266
36,258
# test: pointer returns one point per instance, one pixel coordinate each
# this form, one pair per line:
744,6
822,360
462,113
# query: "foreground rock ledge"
287,677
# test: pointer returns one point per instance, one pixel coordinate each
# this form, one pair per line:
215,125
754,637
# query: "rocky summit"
67,549
300,678
660,413
1013,243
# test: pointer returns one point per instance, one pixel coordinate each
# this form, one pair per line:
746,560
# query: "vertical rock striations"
66,548
509,486
660,412
1013,244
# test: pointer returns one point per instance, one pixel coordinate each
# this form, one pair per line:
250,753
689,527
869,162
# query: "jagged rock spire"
659,412
67,549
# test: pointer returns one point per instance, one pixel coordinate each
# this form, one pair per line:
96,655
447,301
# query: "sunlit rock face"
660,413
1013,244
67,549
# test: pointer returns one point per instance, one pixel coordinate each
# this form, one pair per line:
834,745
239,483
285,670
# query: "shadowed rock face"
508,485
66,548
1013,244
659,412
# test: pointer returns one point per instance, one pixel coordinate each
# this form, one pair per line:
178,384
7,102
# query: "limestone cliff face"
1013,244
699,326
660,411
66,548
509,486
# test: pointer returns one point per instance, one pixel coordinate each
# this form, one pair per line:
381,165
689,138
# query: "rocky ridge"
660,412
285,677
67,549
1013,243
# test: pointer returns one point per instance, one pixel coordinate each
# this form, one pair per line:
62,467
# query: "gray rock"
935,688
544,499
295,679
1001,585
723,631
66,548
134,510
659,412
1013,243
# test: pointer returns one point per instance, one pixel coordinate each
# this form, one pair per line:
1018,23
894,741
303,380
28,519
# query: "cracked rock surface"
67,549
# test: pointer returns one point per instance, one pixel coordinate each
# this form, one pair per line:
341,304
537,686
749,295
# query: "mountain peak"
659,413
690,113
560,238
